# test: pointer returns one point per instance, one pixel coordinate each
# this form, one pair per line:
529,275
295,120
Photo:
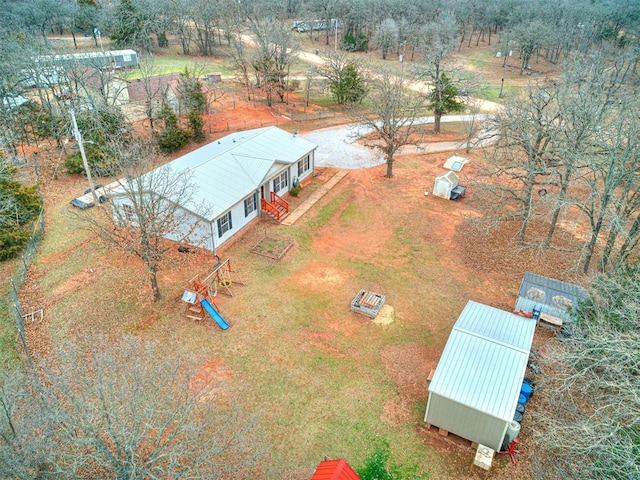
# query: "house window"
129,213
281,181
250,204
304,165
224,224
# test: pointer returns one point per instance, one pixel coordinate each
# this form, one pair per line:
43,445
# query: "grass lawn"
321,379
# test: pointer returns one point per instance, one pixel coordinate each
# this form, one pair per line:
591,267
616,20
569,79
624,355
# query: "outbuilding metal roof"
227,170
484,361
450,177
550,295
334,470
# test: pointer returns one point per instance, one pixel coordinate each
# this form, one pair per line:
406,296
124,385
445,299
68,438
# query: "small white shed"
444,184
475,388
455,163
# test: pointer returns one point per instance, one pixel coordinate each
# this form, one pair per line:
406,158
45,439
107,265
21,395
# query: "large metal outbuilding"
475,388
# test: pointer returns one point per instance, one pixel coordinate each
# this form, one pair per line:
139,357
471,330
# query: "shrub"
172,139
294,191
378,467
13,238
99,163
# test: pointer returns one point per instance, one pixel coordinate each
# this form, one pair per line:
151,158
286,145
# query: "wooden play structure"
222,278
199,297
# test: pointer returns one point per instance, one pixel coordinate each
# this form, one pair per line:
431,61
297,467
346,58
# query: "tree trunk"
526,214
611,240
389,163
556,211
595,233
630,242
436,122
154,285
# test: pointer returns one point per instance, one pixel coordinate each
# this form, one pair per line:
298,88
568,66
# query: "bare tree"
240,57
386,37
344,75
274,53
390,120
587,418
152,203
612,177
523,152
153,93
125,411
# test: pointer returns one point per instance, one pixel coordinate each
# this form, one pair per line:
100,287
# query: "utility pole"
78,137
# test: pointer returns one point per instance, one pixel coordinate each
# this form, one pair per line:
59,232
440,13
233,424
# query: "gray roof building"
552,297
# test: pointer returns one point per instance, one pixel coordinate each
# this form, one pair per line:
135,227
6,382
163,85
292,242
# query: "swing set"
220,280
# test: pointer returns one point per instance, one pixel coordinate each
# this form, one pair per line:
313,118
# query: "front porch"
276,207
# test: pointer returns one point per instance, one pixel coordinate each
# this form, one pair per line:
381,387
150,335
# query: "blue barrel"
522,399
527,391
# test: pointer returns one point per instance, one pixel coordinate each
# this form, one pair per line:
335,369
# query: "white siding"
465,422
238,222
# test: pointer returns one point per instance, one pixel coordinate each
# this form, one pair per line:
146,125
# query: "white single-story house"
235,178
475,388
552,298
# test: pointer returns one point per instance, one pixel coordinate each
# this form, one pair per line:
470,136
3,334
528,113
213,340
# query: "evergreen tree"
350,88
443,98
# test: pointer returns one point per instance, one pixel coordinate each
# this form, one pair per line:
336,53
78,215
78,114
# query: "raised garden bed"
272,247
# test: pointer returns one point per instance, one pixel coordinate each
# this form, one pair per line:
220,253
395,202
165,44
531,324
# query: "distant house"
92,83
114,59
553,298
334,470
140,89
475,388
237,178
158,89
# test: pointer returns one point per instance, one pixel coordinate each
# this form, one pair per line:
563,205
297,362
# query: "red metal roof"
334,470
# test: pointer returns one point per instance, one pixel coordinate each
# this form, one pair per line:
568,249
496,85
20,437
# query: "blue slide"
213,313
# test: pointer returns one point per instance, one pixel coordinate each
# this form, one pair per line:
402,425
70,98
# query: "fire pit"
367,303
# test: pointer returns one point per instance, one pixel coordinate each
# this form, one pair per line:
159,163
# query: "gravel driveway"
337,146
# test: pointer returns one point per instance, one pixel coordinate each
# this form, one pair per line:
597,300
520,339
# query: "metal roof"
455,163
550,295
229,169
334,470
484,361
449,176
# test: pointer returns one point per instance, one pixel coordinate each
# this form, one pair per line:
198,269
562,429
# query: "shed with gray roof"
553,298
475,388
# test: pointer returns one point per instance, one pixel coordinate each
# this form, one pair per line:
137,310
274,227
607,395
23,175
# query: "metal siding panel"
465,422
